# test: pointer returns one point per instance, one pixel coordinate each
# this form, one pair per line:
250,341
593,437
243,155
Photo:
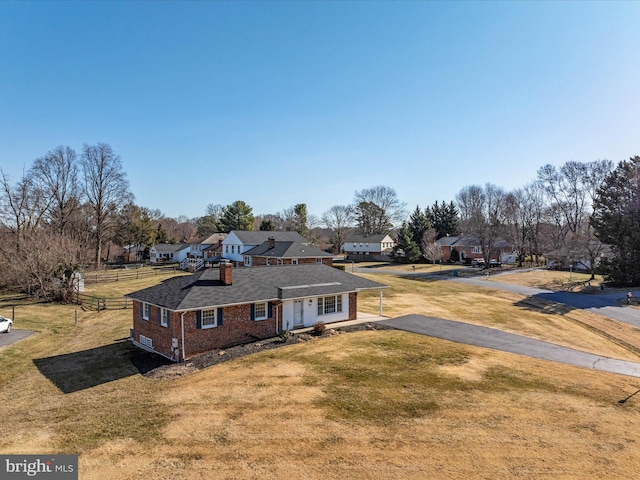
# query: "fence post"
76,315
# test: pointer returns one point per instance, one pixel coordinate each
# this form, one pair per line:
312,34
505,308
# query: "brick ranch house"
221,307
274,252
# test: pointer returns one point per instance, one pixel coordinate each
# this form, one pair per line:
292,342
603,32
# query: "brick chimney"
272,242
226,273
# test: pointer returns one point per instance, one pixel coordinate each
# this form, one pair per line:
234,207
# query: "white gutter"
182,322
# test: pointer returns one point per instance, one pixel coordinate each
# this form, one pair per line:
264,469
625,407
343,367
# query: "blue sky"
278,103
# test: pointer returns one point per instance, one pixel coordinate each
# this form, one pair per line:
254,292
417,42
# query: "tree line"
71,208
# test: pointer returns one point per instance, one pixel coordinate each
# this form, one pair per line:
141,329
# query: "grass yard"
551,279
366,405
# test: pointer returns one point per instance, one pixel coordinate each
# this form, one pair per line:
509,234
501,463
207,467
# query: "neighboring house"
469,247
212,245
273,252
368,247
188,254
169,252
221,307
239,241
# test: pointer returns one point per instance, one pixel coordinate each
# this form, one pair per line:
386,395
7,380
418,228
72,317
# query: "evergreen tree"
207,225
371,219
444,218
267,226
418,224
406,250
616,220
236,216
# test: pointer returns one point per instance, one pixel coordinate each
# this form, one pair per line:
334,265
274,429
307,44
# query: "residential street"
605,304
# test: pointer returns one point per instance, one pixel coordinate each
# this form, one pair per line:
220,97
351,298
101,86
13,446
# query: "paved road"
7,339
508,342
608,305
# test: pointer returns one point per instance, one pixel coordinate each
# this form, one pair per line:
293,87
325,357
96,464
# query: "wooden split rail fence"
96,303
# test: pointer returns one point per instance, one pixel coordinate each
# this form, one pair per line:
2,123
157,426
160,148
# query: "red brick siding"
353,305
237,328
151,328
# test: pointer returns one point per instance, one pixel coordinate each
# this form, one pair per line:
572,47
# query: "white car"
5,325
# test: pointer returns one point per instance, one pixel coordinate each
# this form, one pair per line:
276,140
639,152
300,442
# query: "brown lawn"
366,405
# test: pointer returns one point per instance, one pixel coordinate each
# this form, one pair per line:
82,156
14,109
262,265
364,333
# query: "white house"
377,247
169,252
239,241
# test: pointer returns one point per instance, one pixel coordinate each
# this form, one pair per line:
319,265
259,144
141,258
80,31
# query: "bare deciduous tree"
339,219
430,249
482,212
378,209
106,189
56,174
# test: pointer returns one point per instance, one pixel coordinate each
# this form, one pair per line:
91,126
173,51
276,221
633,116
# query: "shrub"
319,328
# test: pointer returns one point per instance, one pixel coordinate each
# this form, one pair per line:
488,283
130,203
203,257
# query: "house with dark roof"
225,306
274,252
368,247
239,241
469,248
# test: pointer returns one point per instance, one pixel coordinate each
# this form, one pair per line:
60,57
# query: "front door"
298,313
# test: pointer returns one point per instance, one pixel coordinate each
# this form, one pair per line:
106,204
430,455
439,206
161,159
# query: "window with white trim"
146,341
208,319
318,260
164,317
146,311
476,250
260,311
279,261
294,261
327,305
247,260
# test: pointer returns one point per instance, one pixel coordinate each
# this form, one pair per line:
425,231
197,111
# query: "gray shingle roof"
256,237
286,250
366,238
204,289
170,247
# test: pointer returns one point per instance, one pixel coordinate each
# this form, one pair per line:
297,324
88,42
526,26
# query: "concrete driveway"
508,342
7,339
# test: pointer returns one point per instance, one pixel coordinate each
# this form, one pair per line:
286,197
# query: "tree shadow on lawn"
72,372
